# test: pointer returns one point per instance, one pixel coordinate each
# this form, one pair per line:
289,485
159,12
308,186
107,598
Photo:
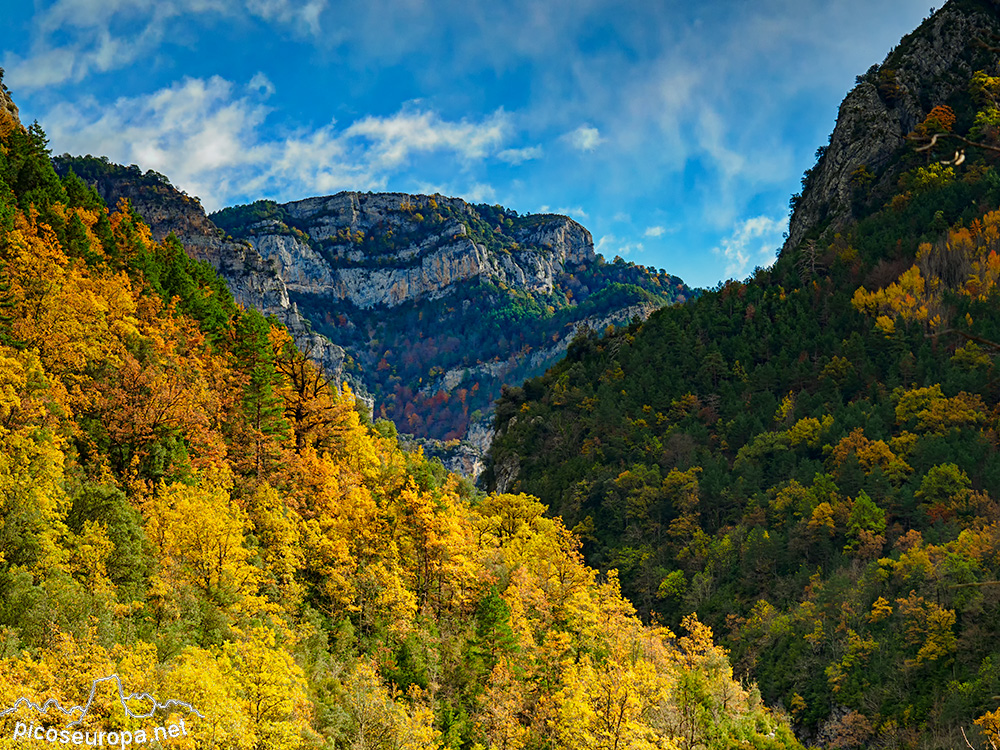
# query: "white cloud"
261,84
76,38
97,52
305,16
609,245
520,155
584,138
212,142
752,242
577,212
392,139
475,192
479,193
656,231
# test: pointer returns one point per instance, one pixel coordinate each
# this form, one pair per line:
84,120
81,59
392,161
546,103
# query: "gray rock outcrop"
429,267
7,105
924,71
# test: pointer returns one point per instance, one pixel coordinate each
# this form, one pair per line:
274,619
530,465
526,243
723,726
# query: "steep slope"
7,104
440,302
930,67
187,504
253,280
809,460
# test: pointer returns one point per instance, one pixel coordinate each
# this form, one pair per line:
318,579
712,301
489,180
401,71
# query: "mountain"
809,459
439,302
427,305
189,507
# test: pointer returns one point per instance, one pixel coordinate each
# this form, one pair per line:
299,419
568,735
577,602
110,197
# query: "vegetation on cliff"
185,501
809,459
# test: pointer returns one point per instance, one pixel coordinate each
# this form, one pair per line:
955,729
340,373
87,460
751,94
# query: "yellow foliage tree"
200,532
271,690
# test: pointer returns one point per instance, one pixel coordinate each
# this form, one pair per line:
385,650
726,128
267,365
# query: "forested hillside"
187,502
425,304
809,459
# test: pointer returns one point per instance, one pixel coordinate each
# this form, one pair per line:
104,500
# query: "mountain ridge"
378,292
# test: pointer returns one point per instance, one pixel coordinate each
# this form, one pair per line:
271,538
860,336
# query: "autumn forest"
187,502
767,516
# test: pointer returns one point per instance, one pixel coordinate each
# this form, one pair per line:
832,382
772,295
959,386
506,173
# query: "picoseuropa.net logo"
29,730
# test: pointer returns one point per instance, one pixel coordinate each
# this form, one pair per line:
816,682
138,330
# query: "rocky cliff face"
8,110
8,107
440,302
427,264
928,68
254,280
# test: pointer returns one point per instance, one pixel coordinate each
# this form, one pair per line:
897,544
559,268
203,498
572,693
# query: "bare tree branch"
958,155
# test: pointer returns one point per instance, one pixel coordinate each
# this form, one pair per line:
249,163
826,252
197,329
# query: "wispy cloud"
261,84
74,39
479,193
610,244
577,212
520,155
209,137
584,138
302,15
656,231
753,241
393,139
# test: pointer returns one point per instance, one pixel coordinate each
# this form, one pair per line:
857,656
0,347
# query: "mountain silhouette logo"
84,709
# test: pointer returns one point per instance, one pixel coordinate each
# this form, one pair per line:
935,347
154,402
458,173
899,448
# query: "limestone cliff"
929,67
7,106
325,257
440,302
254,281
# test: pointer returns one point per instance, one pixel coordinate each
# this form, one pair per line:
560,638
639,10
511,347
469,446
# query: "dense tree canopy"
808,459
188,503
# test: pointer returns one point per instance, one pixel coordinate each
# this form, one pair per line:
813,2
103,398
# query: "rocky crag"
930,67
440,302
427,305
371,250
7,105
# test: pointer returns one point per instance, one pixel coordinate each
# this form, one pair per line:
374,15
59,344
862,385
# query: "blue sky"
674,131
